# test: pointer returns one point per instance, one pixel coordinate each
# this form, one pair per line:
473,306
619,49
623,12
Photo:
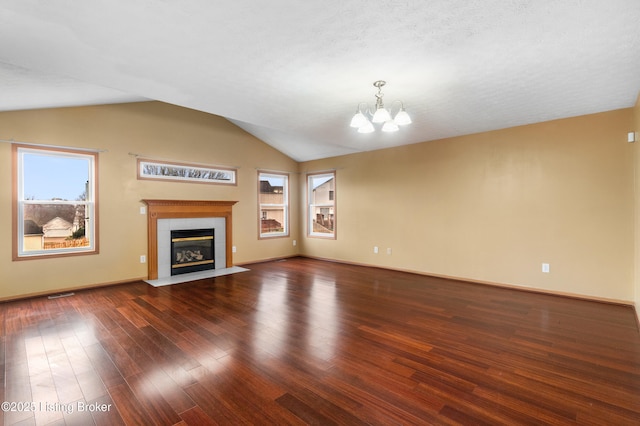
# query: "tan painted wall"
488,207
494,206
152,129
636,148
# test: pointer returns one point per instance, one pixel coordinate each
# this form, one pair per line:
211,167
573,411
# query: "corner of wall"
636,168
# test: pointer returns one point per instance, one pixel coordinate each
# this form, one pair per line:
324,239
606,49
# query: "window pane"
274,200
55,202
322,204
322,188
54,226
273,220
272,190
323,220
55,177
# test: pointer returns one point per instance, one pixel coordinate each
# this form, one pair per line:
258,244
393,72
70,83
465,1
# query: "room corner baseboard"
491,283
270,259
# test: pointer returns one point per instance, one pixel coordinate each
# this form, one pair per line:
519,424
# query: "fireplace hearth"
192,250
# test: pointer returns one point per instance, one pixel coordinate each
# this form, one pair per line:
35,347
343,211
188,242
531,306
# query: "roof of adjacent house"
32,228
57,227
267,188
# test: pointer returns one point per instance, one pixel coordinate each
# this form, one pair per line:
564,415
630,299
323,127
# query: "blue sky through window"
47,177
319,180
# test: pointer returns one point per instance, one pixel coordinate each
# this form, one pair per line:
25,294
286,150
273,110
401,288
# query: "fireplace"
197,214
192,250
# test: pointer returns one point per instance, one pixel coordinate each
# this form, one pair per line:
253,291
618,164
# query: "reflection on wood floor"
303,341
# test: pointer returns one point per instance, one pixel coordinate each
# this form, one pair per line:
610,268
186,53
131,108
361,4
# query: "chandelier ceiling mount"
380,114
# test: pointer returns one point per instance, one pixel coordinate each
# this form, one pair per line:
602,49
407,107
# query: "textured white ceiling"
21,88
292,72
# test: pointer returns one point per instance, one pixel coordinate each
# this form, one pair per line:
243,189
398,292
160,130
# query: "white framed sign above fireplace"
185,172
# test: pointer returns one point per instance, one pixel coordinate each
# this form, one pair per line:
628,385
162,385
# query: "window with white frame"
321,189
55,204
273,200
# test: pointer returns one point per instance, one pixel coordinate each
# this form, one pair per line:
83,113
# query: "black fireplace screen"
192,250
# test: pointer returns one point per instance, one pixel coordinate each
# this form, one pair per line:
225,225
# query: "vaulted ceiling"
292,72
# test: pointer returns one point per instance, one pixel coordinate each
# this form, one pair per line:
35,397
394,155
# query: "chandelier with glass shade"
364,119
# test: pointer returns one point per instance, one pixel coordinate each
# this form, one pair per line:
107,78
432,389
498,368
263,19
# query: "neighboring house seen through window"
321,188
273,194
55,204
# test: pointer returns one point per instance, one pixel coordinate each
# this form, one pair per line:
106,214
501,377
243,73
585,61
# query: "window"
273,190
321,189
55,210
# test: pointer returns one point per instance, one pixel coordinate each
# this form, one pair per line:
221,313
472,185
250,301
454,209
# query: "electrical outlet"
295,243
143,210
233,249
389,251
143,258
545,268
375,249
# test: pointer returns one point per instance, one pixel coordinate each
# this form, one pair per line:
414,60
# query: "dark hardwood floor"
309,342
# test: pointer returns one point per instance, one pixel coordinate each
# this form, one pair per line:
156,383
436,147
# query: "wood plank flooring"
303,341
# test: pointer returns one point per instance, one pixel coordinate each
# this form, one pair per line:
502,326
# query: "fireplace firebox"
192,250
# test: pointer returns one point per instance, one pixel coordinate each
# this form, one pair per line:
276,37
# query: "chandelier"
361,119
